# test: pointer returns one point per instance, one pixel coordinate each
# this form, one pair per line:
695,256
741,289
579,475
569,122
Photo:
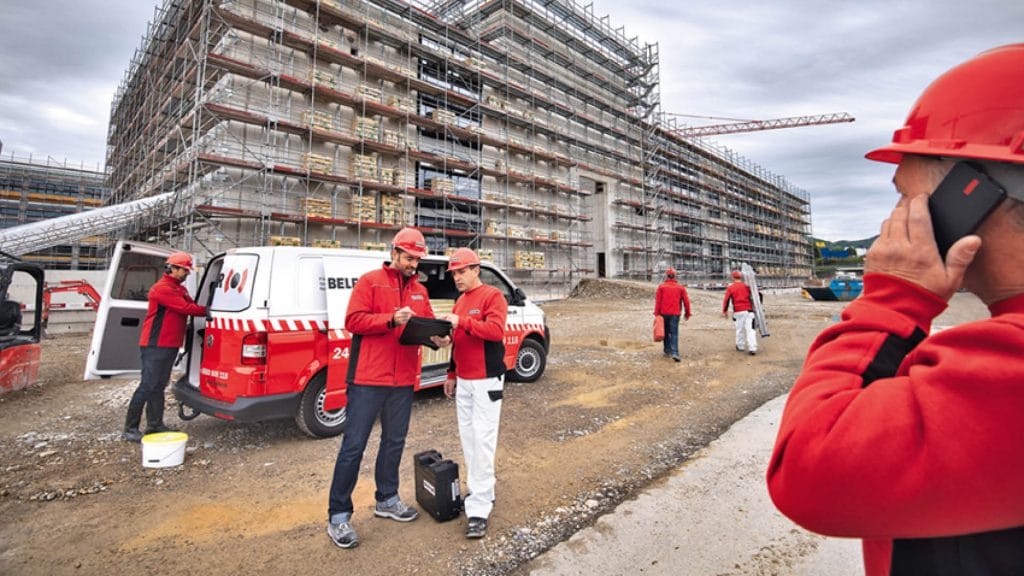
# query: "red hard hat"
671,272
461,258
737,274
181,260
410,240
974,110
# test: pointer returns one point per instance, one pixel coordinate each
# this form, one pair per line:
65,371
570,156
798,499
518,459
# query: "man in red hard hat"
478,365
163,333
670,300
908,440
739,295
381,376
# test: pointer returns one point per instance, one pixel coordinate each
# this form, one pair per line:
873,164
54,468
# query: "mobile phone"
964,198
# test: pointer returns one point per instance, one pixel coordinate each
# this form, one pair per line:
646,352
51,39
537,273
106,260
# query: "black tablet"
419,330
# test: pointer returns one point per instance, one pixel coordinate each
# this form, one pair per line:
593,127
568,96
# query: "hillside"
840,244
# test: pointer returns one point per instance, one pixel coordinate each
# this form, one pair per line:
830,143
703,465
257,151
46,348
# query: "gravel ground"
611,415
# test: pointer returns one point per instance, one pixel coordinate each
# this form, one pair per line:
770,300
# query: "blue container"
846,288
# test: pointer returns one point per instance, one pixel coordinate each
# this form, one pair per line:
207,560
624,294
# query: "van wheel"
530,362
312,418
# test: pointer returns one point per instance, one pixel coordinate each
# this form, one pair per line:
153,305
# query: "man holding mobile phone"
911,441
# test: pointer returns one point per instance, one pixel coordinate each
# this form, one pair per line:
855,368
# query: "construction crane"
755,125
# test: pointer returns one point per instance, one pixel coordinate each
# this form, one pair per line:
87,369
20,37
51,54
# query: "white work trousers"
745,335
478,403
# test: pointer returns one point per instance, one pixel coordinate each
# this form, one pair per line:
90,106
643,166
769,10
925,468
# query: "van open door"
211,277
115,339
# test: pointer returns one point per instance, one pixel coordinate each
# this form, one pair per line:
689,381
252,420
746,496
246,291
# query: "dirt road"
610,415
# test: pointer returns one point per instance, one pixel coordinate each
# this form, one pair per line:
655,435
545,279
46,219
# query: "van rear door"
134,268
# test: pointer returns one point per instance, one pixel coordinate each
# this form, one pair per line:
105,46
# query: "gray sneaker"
476,528
396,510
343,535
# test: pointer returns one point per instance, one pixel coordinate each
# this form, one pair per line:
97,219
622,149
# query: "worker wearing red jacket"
907,439
669,301
163,333
478,362
742,313
381,376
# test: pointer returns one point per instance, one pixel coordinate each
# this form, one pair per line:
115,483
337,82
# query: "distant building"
33,190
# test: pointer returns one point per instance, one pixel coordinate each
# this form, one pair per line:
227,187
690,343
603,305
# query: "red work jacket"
668,298
167,314
739,293
909,441
479,341
377,359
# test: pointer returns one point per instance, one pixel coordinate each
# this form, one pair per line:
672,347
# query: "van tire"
530,362
312,418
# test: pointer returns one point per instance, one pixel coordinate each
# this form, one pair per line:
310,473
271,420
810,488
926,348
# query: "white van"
274,343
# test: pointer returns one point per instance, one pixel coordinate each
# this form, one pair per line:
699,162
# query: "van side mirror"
518,297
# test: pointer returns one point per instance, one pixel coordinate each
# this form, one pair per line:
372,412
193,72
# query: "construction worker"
907,439
381,376
478,363
669,301
163,333
739,295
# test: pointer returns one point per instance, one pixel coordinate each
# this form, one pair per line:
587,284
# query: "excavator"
19,342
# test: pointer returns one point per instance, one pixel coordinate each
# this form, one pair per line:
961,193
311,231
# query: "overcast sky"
62,60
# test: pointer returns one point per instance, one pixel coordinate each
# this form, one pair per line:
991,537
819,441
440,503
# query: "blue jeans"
157,363
365,403
671,342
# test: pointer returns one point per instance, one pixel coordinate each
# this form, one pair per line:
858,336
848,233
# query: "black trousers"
156,372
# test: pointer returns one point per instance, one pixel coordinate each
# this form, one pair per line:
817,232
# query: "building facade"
32,190
527,129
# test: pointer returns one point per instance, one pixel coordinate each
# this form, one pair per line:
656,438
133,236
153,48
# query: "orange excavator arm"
78,286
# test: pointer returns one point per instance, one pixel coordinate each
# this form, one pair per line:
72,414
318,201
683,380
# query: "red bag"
659,328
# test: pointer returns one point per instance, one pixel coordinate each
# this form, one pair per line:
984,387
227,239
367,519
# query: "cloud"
763,59
62,60
60,64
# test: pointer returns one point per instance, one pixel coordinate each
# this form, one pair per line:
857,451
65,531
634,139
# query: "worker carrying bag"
437,485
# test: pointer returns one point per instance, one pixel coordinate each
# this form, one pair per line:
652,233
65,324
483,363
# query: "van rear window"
233,288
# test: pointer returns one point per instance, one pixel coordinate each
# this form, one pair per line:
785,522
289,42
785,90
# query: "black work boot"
131,423
155,412
161,427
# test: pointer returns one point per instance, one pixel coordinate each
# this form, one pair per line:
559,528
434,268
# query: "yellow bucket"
163,449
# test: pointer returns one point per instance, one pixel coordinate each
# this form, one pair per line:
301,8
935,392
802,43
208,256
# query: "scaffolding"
526,129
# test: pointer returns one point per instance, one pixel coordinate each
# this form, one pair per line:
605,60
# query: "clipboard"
419,330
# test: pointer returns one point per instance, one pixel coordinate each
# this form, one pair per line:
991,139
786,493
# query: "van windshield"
232,284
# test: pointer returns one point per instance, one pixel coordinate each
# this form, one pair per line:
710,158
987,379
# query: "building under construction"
33,190
530,130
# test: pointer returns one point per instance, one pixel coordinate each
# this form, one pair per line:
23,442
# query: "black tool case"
437,485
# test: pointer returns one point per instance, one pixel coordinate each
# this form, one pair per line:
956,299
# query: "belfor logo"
235,280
